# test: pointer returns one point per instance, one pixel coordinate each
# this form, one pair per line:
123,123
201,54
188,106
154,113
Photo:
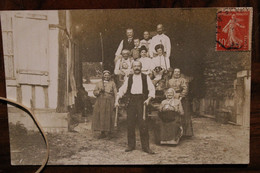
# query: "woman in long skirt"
103,119
169,129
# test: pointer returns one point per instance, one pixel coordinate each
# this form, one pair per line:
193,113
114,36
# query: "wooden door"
31,56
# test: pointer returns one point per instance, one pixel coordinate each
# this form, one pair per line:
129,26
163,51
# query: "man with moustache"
162,39
139,89
126,44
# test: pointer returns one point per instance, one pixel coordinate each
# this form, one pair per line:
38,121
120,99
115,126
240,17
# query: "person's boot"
149,151
128,149
109,135
102,135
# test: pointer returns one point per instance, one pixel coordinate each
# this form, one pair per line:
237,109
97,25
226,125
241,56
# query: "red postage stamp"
234,27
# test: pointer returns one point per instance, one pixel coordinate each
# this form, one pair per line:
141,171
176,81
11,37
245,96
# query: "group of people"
140,66
151,53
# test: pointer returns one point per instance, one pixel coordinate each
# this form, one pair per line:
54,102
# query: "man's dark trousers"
135,116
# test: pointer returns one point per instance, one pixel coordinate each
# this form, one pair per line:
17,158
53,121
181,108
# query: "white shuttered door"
31,43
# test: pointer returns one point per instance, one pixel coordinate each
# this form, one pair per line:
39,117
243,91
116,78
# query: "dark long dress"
103,114
169,127
180,85
186,119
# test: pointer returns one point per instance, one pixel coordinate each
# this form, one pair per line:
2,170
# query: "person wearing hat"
139,89
103,114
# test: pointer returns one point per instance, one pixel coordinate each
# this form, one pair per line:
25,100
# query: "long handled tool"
144,112
116,117
102,56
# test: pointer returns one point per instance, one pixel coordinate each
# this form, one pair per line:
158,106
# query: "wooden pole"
116,117
102,50
102,57
144,112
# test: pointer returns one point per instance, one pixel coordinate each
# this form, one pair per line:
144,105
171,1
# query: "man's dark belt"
136,95
132,97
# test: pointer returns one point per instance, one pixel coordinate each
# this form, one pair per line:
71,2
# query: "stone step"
50,120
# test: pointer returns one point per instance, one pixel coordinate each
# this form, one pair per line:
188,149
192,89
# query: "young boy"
147,65
135,52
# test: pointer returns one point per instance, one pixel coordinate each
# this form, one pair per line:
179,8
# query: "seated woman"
168,129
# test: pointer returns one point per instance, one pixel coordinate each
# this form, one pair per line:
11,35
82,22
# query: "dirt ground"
212,143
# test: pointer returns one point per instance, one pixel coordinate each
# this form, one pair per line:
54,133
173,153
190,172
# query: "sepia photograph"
129,86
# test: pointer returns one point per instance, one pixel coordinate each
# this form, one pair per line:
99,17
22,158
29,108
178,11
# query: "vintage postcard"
130,86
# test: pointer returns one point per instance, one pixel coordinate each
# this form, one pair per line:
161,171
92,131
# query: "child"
135,52
147,65
170,114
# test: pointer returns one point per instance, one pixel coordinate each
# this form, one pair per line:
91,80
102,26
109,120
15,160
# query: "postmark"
233,29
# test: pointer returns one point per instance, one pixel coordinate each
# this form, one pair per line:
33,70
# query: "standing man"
160,38
180,85
139,89
127,43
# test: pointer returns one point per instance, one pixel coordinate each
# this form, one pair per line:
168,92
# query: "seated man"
123,67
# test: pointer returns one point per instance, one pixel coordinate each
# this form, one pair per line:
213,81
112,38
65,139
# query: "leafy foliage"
91,69
221,70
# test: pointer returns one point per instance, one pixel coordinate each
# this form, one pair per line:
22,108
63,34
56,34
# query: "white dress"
147,65
161,61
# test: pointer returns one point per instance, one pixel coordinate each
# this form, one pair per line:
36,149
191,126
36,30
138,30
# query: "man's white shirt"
160,39
137,86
